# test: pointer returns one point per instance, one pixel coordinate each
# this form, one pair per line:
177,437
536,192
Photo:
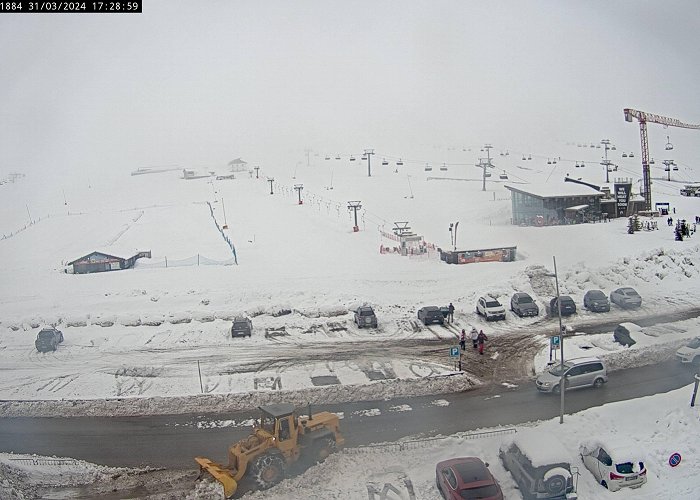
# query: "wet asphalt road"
172,441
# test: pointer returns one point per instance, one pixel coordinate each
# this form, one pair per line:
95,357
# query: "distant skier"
450,313
463,339
474,335
481,339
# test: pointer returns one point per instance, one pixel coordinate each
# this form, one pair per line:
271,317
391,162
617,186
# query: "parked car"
690,353
578,372
614,464
490,308
540,466
623,333
241,327
431,314
522,304
568,306
596,301
466,477
48,339
626,298
364,316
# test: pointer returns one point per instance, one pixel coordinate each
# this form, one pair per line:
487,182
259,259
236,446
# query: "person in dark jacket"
463,339
451,313
481,339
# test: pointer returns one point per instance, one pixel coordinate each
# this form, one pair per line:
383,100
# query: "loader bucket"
220,473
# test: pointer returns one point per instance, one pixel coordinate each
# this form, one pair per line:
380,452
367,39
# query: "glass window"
450,477
604,458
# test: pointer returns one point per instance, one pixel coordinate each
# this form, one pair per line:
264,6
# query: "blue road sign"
674,459
554,341
454,352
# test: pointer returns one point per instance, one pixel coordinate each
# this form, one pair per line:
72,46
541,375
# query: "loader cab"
280,421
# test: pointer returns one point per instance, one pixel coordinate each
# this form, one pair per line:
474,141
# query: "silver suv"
578,372
540,466
365,316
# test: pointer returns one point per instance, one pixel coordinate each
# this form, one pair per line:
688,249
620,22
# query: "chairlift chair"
631,155
444,167
399,163
610,169
328,157
549,162
428,168
667,168
597,146
583,164
352,158
529,157
577,165
613,148
503,176
675,167
364,157
524,158
385,162
554,161
337,157
592,145
651,162
624,155
487,174
669,146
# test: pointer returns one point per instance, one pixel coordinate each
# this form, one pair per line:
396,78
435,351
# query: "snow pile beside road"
218,403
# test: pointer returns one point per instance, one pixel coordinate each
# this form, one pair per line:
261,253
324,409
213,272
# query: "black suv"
568,306
596,301
431,314
364,316
48,340
537,478
242,327
522,304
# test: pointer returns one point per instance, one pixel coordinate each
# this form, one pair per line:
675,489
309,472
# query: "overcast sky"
201,82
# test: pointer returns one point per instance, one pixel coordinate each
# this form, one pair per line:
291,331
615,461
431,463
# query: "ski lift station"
498,254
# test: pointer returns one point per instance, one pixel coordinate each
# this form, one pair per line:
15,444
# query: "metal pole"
695,390
201,387
562,382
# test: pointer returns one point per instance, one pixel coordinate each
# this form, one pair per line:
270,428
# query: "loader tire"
268,470
323,448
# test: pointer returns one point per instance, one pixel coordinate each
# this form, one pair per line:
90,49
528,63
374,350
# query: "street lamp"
453,234
271,180
562,382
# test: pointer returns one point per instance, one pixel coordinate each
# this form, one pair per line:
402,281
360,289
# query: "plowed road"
171,441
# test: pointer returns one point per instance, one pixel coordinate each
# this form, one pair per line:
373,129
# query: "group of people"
477,337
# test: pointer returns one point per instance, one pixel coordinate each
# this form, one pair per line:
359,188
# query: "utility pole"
256,172
355,206
271,180
223,207
308,152
298,188
669,164
453,234
485,164
368,154
562,382
606,163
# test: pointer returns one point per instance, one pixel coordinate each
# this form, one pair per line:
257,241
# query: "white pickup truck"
690,353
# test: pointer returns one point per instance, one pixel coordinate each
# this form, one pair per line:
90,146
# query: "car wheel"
425,322
598,383
556,389
268,470
604,484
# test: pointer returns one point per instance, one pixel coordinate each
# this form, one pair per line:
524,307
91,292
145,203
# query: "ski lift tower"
484,164
643,117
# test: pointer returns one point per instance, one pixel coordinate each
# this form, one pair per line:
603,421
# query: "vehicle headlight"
545,384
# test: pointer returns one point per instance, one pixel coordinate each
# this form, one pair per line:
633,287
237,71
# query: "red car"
466,478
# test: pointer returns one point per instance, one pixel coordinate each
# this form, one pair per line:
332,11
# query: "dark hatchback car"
522,304
241,327
365,316
431,314
48,340
466,478
596,301
568,306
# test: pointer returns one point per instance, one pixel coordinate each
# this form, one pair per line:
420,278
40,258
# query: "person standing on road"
463,339
481,339
474,335
450,313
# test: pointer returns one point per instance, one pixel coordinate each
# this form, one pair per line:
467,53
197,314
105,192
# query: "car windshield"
557,370
240,324
567,300
598,295
366,312
630,292
45,334
480,492
493,303
694,344
524,300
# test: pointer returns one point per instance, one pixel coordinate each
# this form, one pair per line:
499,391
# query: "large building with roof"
99,261
551,204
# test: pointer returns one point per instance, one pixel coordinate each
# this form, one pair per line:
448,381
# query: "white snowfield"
150,331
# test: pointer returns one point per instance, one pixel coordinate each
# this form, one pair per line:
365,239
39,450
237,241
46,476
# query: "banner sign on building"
622,197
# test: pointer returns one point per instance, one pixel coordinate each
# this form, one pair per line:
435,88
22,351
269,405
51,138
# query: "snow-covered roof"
555,190
540,448
621,449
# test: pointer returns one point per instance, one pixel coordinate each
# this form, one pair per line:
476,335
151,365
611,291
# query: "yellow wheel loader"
278,440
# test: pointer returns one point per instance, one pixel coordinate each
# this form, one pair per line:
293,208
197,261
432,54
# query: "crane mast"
643,117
